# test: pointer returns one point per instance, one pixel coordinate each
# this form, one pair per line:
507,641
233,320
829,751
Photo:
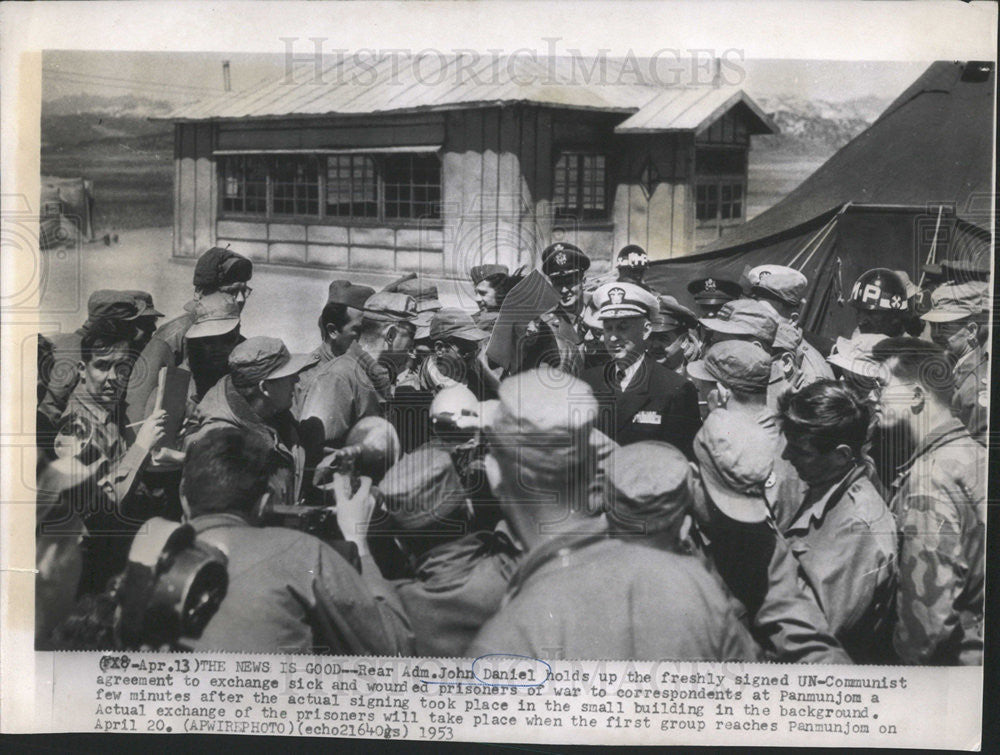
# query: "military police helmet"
879,289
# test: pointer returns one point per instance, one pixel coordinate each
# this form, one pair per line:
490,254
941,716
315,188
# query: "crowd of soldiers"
434,482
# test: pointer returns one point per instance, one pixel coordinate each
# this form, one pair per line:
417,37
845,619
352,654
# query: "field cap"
855,355
545,417
422,488
735,460
384,306
711,291
264,358
479,273
620,299
742,365
448,324
563,259
633,256
214,315
221,267
785,283
956,301
744,317
590,317
144,303
108,304
347,293
424,294
650,488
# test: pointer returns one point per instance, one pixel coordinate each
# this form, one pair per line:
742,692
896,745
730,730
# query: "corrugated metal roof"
355,85
693,109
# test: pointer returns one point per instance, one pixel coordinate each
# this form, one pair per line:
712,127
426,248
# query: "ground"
286,301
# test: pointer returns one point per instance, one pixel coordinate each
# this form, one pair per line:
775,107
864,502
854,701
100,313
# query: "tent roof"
933,144
399,84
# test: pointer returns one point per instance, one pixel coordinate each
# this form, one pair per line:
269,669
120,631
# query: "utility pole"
226,83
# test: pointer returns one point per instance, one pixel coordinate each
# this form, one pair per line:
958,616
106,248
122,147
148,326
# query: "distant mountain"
121,105
817,127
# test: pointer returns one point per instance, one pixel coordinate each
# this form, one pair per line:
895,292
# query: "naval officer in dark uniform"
640,399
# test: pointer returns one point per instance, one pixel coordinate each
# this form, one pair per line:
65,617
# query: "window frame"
320,157
583,215
720,180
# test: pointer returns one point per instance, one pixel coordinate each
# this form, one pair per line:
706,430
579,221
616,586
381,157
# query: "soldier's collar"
816,510
946,432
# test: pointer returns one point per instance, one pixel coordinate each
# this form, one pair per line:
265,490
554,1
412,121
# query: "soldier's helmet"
879,289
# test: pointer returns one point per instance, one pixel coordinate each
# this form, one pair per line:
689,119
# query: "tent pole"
932,254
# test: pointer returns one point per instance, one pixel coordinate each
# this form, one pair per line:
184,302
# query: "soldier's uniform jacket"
757,565
223,406
652,604
290,592
971,402
845,539
939,501
657,404
341,392
456,588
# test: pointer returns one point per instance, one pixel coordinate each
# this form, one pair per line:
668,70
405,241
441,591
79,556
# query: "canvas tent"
67,211
917,184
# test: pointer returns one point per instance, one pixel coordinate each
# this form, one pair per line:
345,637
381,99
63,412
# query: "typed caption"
506,698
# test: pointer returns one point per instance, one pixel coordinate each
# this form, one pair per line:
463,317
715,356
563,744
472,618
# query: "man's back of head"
226,471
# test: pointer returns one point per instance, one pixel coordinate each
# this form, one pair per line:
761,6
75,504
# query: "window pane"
412,186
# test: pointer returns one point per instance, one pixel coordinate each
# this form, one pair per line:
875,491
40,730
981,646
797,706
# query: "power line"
96,78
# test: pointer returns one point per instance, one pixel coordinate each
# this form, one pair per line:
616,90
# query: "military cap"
424,294
455,401
975,269
742,365
562,258
537,411
736,463
908,285
481,272
744,317
620,299
264,358
712,291
673,315
384,306
455,323
422,325
349,294
144,302
221,267
214,315
108,304
785,283
956,301
650,488
422,488
634,256
855,355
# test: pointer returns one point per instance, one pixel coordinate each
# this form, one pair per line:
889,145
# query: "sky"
184,77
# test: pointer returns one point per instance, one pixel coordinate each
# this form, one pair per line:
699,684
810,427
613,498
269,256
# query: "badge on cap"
616,295
561,258
709,284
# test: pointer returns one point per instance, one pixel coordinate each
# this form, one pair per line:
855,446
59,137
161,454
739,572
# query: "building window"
295,182
361,186
244,184
719,200
412,187
351,187
580,188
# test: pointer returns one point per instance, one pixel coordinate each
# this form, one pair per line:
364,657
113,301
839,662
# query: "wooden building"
426,168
